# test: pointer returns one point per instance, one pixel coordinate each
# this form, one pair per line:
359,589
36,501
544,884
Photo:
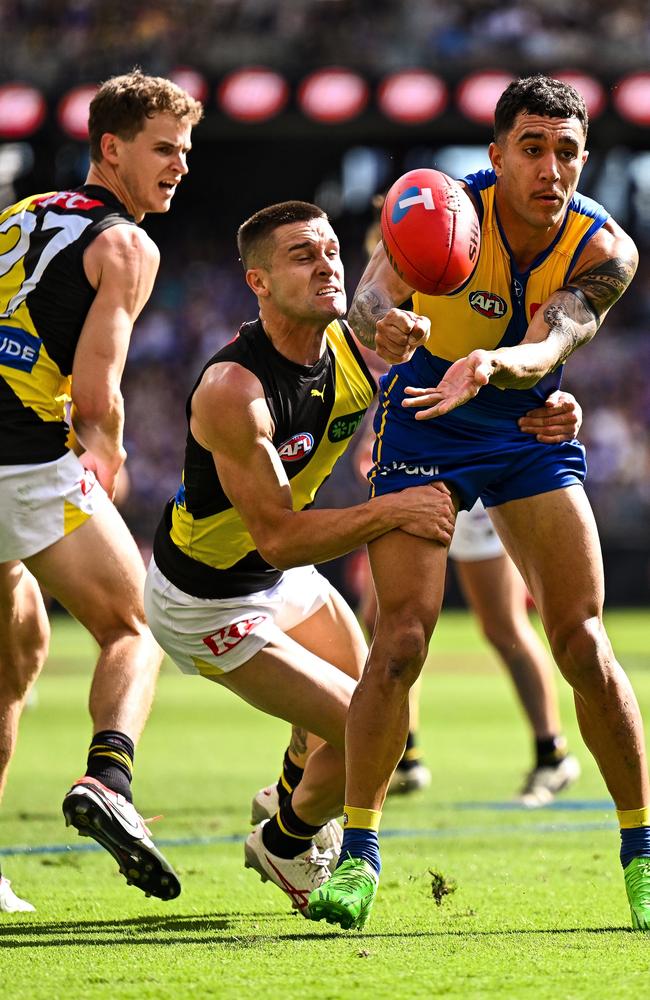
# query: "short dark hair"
538,95
254,236
122,104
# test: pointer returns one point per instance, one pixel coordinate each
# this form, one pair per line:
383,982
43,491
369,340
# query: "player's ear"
257,281
496,158
108,146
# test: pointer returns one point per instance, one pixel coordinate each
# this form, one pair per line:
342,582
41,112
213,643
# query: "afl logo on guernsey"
296,447
488,304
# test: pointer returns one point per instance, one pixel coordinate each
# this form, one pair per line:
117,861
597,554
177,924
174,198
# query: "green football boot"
347,897
637,883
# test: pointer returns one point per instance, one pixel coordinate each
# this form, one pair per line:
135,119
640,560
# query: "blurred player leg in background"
24,640
497,595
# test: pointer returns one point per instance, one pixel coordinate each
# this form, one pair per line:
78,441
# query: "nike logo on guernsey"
299,896
319,392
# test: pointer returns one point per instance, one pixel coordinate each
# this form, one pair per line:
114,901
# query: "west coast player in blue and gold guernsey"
465,369
75,272
231,592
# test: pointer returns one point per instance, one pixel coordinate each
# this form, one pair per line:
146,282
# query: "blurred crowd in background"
201,299
61,38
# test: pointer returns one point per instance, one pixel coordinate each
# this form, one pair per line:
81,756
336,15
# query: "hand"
399,333
461,382
428,512
107,473
559,419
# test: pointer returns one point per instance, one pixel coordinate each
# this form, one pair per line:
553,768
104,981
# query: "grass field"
539,910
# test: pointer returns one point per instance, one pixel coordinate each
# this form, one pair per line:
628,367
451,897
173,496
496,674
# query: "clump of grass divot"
441,886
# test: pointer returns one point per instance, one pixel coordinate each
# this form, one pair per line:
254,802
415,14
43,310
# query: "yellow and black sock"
285,834
290,777
550,751
110,760
412,755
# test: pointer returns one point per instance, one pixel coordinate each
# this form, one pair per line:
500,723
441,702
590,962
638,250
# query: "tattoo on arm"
298,744
604,284
367,308
571,321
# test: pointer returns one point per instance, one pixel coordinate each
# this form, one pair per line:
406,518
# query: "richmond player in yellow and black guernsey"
203,545
76,270
232,593
45,296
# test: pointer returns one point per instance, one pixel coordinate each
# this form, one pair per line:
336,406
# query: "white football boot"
297,877
329,838
543,783
10,902
412,779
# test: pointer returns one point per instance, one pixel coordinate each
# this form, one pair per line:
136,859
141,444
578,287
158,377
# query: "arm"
393,333
121,264
253,478
568,319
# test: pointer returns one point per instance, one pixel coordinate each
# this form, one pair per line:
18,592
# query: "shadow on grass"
208,930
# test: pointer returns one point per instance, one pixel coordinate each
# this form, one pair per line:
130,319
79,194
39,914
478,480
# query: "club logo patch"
296,447
344,427
488,304
18,349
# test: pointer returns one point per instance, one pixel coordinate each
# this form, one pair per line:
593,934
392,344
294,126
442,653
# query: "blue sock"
362,844
635,843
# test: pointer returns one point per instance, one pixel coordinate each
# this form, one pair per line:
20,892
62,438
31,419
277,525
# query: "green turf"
539,910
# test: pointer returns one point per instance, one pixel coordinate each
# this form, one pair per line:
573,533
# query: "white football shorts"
475,538
43,503
212,637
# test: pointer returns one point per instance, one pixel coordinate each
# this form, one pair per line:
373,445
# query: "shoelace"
318,864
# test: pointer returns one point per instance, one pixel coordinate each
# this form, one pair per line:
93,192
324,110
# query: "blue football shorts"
477,450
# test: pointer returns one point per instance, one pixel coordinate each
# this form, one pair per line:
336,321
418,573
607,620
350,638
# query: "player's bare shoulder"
228,401
123,247
606,268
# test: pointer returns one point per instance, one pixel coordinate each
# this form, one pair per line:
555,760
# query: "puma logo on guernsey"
319,392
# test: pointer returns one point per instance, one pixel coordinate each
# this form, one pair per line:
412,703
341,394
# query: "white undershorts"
474,536
212,637
43,503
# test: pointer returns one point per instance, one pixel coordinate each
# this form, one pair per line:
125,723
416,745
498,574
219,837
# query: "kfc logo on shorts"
296,447
87,482
225,639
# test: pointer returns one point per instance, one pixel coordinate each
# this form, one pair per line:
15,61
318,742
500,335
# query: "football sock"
110,760
360,839
550,752
412,755
635,834
285,834
289,778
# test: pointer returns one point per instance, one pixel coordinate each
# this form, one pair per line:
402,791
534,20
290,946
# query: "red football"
430,231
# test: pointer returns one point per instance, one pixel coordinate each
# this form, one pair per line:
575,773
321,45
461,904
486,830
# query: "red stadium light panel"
73,111
254,94
412,96
631,97
22,110
593,92
478,94
333,95
194,83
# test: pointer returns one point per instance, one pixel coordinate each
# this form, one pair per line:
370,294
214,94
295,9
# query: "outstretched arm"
568,319
253,477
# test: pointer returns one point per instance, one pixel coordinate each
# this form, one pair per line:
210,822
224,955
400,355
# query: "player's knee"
403,651
19,668
583,651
